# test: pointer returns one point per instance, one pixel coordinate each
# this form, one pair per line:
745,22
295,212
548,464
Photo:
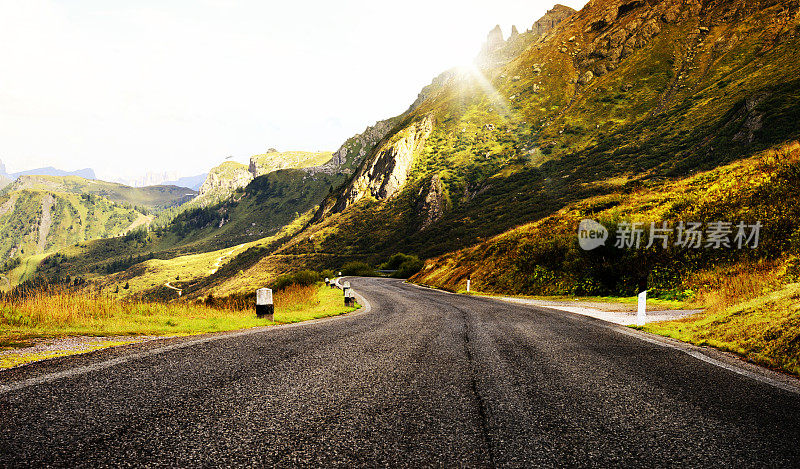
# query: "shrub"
327,273
303,278
409,267
395,261
358,269
306,278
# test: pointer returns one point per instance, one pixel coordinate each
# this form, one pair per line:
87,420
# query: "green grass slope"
258,211
275,160
39,222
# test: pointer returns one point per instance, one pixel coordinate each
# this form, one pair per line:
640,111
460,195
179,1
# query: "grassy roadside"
631,301
652,303
69,314
765,329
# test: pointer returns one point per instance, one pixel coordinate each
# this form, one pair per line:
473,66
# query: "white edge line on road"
682,347
686,348
366,307
712,361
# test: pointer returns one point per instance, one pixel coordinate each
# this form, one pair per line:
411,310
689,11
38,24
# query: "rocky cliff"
386,173
347,158
497,51
222,181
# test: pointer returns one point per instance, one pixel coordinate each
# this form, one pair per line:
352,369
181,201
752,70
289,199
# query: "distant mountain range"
192,182
86,173
148,179
152,178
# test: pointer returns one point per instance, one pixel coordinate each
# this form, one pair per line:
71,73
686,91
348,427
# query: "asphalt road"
423,379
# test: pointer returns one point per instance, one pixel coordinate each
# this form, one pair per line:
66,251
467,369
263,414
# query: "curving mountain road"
423,379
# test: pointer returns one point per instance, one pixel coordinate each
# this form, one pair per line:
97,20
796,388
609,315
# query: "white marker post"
349,298
468,282
264,306
641,314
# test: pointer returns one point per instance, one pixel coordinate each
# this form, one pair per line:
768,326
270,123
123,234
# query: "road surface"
424,378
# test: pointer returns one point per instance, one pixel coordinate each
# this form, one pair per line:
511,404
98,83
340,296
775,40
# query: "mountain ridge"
619,91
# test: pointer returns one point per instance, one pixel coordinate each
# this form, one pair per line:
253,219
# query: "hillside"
43,214
33,223
223,180
544,257
619,94
234,210
151,197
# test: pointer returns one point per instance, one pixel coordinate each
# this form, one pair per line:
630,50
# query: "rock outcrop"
347,158
432,207
494,41
222,181
551,19
496,51
387,172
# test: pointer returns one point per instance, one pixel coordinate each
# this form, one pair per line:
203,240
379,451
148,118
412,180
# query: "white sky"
129,87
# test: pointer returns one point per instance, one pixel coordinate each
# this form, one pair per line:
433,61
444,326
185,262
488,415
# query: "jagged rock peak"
514,32
494,40
551,19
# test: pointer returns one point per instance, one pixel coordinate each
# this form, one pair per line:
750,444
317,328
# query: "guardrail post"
264,306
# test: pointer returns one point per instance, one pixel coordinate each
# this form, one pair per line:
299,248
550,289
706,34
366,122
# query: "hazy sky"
127,87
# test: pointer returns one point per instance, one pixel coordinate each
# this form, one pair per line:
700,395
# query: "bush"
395,261
358,269
409,267
327,274
304,278
404,265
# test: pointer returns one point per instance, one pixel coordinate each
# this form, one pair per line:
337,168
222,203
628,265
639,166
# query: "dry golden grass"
723,287
62,312
751,312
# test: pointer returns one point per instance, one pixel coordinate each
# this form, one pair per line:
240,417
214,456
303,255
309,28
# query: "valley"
653,111
579,247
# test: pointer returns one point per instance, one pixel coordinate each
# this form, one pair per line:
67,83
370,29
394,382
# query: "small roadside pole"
264,306
469,277
641,313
